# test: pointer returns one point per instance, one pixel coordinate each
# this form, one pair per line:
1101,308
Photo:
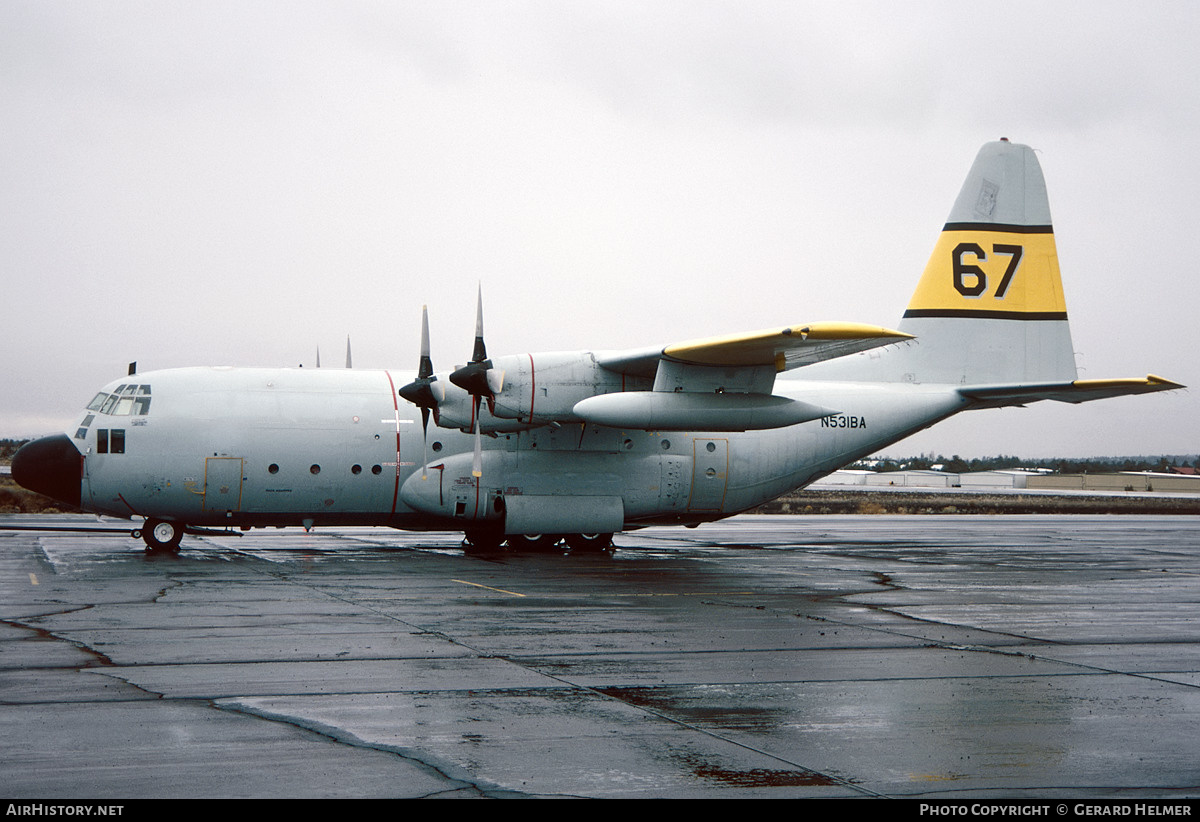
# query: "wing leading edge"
781,348
785,348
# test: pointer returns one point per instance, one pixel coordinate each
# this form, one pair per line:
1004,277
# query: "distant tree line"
9,447
1074,465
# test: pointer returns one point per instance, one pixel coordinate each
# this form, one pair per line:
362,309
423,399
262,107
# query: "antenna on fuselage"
348,365
132,368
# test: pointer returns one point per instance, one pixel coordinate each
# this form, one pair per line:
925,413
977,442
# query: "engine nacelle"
456,409
534,390
544,388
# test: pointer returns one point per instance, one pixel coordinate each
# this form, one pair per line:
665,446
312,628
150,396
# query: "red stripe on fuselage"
396,407
532,387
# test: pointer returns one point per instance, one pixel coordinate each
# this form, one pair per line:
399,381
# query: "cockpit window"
81,432
125,400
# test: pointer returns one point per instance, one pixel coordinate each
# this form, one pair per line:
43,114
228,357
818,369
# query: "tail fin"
989,307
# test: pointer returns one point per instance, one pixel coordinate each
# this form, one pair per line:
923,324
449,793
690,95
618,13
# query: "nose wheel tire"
161,535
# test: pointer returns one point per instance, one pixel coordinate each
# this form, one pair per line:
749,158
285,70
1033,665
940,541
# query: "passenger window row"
356,469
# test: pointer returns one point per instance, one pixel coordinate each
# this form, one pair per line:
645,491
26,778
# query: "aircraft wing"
725,383
785,348
780,348
998,396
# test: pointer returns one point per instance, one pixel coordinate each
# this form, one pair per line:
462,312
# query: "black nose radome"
51,466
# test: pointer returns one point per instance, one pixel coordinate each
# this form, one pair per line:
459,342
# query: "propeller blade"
495,380
424,441
480,353
474,377
425,368
424,392
477,458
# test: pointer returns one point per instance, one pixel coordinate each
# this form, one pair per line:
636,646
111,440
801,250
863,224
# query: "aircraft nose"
52,466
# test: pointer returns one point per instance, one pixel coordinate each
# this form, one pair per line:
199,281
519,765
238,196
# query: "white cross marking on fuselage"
397,421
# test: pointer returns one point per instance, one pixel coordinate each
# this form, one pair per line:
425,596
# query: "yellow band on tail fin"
992,270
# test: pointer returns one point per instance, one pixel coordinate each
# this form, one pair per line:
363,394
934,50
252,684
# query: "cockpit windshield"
125,400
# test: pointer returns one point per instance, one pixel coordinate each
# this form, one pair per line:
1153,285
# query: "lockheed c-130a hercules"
578,446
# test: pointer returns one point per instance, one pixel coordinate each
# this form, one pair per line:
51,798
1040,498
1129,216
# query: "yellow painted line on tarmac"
692,594
487,587
33,579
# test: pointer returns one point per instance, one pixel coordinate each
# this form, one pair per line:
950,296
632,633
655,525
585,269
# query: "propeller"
479,379
424,392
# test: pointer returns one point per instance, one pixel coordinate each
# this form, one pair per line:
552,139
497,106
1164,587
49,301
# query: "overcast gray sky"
238,183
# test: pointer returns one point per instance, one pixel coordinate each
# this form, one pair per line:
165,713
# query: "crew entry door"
223,483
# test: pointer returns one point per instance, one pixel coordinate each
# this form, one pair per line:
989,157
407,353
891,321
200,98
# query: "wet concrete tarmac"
922,656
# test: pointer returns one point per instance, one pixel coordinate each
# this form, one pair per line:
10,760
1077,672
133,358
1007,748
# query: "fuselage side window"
101,440
116,441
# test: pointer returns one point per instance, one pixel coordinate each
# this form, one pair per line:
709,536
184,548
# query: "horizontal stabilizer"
1077,391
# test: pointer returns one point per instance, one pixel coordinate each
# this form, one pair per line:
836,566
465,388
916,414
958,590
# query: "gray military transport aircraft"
534,448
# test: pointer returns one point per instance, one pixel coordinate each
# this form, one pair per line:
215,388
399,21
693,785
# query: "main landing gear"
161,536
486,541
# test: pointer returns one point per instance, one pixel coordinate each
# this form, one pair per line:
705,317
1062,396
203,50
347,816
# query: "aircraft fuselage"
249,447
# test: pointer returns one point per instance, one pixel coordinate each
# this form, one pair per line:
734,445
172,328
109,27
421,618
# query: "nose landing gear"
160,536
